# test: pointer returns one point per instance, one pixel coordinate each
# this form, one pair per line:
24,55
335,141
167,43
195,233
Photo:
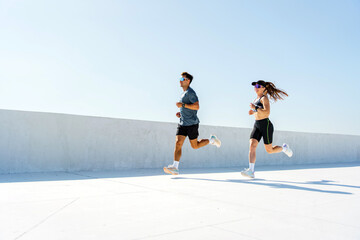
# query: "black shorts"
191,131
263,128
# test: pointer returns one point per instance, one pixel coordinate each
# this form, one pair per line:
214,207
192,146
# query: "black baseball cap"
260,82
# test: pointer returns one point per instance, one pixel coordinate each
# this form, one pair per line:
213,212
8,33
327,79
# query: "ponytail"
275,93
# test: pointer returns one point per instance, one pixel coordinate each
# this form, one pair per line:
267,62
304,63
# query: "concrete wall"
36,142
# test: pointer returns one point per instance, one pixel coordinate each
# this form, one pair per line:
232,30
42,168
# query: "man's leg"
195,144
193,133
179,141
174,168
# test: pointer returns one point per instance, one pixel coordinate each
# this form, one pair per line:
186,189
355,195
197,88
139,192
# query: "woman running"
263,128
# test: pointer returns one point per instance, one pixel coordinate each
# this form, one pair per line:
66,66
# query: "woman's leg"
268,131
272,149
252,159
252,150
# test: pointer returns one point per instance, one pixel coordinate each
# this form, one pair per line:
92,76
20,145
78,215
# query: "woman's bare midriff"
260,115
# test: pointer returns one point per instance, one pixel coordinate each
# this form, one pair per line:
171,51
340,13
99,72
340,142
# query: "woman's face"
259,89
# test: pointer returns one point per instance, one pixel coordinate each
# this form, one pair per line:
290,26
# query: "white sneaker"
171,170
215,141
287,150
248,173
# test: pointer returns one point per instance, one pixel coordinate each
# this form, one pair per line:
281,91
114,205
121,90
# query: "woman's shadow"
281,184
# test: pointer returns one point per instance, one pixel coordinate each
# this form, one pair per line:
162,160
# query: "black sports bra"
258,104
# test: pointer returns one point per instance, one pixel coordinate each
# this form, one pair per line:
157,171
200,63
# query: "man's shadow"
280,184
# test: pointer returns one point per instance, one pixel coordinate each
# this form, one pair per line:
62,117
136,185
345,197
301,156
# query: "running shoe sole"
166,170
245,175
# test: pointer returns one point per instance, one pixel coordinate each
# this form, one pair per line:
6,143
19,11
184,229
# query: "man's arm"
194,106
194,101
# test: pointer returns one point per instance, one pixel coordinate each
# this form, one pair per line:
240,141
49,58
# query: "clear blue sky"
123,59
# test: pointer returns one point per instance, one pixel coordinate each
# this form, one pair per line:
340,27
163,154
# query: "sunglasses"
258,86
182,79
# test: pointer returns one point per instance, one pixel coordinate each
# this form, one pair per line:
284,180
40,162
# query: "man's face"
184,82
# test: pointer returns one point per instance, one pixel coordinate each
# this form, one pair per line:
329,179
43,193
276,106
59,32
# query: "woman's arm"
266,103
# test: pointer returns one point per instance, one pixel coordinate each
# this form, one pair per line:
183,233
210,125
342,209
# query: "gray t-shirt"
188,116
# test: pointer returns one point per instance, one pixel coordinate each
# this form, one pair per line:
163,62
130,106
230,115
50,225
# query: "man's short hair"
187,76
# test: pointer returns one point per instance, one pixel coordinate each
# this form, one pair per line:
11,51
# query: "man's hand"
178,114
252,106
251,112
179,104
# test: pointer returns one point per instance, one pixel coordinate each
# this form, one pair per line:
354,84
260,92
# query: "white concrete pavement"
302,202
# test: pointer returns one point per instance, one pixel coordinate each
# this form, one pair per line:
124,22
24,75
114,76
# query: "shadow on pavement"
279,184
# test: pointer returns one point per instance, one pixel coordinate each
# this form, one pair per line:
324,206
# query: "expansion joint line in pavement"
45,219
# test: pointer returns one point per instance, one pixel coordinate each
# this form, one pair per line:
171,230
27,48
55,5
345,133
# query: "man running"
189,123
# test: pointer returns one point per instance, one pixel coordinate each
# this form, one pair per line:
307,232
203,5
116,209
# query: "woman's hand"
178,114
251,112
179,104
252,106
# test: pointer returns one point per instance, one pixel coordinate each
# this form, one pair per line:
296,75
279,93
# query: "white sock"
176,164
252,166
